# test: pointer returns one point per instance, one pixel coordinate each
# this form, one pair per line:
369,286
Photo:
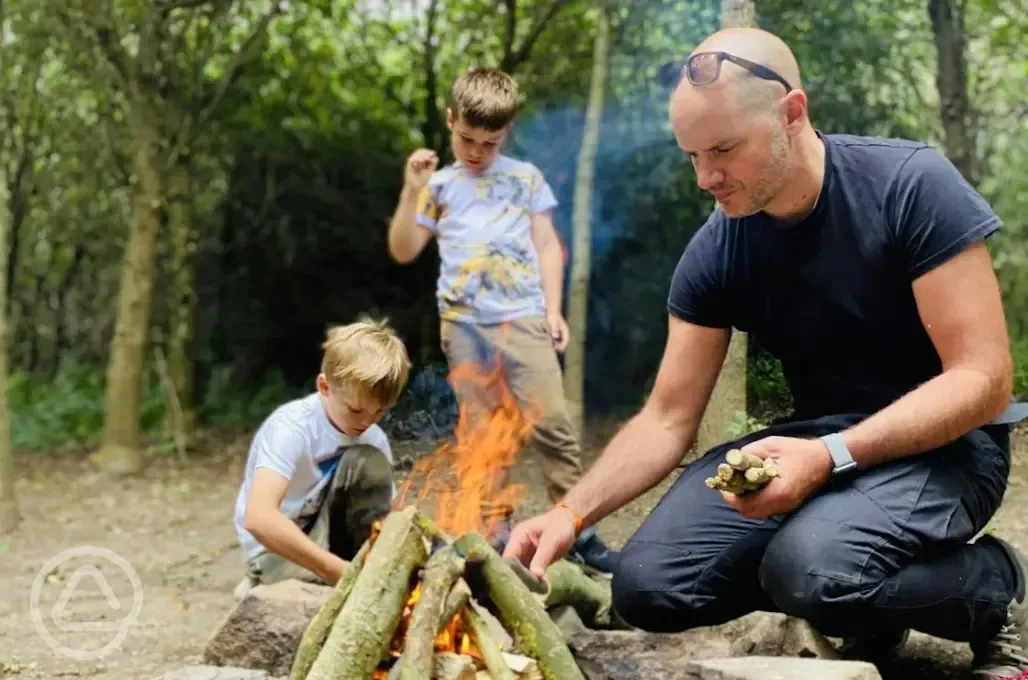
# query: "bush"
427,409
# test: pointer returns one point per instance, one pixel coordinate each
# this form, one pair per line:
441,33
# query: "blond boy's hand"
420,166
559,331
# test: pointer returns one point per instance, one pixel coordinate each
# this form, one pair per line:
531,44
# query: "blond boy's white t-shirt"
298,442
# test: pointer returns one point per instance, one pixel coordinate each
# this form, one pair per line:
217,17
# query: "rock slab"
264,629
779,668
215,673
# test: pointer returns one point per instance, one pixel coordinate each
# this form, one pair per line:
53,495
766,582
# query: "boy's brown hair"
367,357
484,98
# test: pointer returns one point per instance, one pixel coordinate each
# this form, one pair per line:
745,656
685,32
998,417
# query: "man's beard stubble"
772,177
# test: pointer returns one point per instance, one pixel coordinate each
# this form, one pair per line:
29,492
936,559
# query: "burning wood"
459,612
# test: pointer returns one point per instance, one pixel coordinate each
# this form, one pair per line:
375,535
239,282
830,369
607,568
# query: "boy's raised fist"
420,166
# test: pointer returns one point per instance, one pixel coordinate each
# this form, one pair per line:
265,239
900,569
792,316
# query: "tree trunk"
728,399
738,13
955,107
578,297
180,414
121,451
8,500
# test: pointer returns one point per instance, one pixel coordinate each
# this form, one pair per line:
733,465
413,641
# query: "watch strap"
841,457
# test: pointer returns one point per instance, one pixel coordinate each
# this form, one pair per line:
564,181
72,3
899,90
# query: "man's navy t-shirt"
831,296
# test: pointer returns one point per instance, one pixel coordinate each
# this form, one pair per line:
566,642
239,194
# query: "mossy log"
569,584
491,653
318,629
363,629
441,571
535,634
459,595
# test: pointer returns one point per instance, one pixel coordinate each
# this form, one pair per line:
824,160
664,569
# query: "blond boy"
319,470
501,280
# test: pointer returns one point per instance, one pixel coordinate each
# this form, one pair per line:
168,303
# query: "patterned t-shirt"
489,266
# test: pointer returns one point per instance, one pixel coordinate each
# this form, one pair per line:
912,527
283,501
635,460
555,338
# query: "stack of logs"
742,472
412,591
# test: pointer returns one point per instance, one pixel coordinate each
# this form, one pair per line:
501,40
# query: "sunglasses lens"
702,68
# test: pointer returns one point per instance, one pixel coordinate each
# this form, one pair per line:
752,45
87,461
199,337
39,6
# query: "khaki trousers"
524,349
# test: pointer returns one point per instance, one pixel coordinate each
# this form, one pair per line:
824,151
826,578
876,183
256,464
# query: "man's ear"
795,110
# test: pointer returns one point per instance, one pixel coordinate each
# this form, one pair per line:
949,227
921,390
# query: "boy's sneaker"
1005,657
592,553
877,646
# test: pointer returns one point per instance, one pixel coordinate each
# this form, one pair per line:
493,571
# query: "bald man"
861,264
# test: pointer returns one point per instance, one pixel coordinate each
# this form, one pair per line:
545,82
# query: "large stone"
215,673
766,634
780,668
264,630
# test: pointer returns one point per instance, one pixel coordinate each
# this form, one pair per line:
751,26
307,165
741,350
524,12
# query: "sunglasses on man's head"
703,68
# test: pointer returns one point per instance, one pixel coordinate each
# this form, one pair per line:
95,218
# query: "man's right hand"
540,541
420,166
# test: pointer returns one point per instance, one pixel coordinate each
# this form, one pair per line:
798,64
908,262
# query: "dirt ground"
172,527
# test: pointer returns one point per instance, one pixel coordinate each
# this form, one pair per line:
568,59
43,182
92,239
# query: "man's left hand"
804,466
559,331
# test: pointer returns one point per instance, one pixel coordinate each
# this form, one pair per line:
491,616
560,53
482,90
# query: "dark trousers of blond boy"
530,371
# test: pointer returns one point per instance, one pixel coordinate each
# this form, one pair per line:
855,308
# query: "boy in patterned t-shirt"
501,277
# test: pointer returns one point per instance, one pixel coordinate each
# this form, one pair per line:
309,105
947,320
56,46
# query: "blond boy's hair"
367,357
484,98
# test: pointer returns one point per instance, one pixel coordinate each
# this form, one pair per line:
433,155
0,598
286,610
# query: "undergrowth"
69,410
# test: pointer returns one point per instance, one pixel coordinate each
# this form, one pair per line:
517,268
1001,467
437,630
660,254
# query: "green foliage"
743,424
227,403
1019,350
69,410
767,392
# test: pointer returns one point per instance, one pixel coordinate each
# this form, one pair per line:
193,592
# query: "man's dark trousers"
886,549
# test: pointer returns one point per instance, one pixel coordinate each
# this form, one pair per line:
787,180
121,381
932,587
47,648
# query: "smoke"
551,139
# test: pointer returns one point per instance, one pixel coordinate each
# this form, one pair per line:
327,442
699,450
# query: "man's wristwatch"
840,454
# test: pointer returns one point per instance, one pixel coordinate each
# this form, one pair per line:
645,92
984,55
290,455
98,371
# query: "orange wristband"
578,519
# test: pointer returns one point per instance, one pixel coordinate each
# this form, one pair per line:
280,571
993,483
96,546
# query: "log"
459,595
742,472
318,629
363,629
491,653
496,630
450,666
535,634
443,568
741,460
431,529
522,665
569,584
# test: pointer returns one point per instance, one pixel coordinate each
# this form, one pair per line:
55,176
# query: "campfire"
428,598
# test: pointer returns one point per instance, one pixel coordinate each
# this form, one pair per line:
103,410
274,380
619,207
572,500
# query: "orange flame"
464,480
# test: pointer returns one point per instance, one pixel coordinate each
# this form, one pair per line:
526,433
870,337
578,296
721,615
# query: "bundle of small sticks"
742,472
